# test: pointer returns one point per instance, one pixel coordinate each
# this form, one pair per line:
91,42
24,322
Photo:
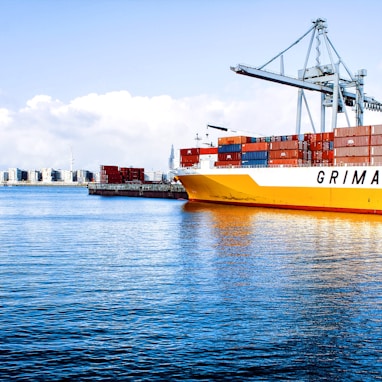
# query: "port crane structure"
323,78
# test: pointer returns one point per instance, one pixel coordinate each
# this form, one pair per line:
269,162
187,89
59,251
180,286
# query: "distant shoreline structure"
79,178
43,184
46,176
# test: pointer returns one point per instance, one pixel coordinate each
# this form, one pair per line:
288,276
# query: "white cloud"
120,129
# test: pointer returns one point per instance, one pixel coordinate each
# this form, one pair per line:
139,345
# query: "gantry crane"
324,78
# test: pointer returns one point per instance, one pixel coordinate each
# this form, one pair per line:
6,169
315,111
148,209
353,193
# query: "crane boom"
325,79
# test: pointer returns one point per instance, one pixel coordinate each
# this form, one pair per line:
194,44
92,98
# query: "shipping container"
190,151
254,162
328,155
285,145
286,154
229,156
361,151
376,130
208,150
254,155
376,150
376,160
258,146
316,145
229,148
317,155
351,160
352,131
361,140
328,136
109,168
228,163
376,140
316,137
233,140
287,162
190,159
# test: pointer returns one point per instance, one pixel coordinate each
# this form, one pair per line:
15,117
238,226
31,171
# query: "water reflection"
307,281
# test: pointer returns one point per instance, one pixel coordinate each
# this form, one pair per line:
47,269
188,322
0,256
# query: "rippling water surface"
95,288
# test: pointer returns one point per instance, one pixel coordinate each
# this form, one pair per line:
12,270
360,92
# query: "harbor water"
99,288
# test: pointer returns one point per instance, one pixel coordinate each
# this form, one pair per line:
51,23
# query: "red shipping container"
316,137
109,168
284,145
190,151
376,130
376,160
256,146
328,136
233,140
362,151
376,140
328,155
208,150
190,159
316,146
288,162
352,141
228,163
351,160
376,150
286,154
316,155
352,131
229,157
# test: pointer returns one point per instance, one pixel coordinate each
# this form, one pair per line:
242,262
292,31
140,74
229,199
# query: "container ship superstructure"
339,170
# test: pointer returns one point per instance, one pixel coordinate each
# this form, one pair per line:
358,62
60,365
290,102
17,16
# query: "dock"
144,190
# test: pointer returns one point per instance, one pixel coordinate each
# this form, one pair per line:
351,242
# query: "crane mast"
324,78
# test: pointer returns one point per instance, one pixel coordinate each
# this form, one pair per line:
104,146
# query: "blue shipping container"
255,162
232,148
250,155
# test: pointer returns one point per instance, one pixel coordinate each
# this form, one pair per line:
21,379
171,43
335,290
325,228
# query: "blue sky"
119,81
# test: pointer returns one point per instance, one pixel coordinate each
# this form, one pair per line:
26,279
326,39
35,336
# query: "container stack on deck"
192,156
376,144
131,174
346,145
110,174
116,175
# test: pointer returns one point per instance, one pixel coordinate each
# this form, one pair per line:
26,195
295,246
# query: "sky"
118,82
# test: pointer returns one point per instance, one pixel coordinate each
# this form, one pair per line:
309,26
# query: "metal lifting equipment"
326,79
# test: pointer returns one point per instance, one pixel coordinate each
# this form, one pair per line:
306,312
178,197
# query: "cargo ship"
338,170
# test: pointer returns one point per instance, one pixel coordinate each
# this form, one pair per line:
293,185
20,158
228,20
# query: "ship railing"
342,164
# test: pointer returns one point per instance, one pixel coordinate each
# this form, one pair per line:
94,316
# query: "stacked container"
192,156
110,174
376,145
352,145
286,150
229,150
254,154
345,145
189,157
132,174
320,148
114,174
